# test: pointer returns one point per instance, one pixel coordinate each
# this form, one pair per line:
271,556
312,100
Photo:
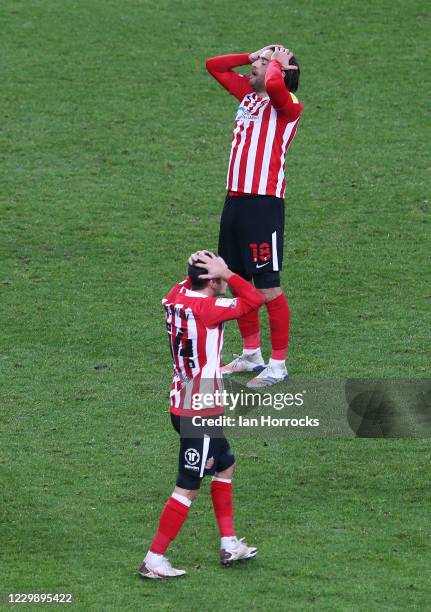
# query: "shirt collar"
191,293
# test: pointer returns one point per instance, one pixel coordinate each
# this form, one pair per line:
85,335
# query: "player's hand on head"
194,257
254,56
215,265
283,56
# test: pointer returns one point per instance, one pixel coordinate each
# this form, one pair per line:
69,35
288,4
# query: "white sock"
182,499
153,559
227,541
277,363
256,352
217,479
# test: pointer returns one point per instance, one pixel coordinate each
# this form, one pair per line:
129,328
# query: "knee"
227,473
189,493
271,293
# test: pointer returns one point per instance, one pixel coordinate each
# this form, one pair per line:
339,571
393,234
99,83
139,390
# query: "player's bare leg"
231,548
156,565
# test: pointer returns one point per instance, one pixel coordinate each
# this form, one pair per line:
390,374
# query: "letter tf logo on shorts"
192,456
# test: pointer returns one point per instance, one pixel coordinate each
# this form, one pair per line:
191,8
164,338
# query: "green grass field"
114,145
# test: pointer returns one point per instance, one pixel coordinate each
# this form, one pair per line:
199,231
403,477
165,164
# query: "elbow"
209,64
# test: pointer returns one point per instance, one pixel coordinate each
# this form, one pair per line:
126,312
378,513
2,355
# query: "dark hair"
291,77
193,273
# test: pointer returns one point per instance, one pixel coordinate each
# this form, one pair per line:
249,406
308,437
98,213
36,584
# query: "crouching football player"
195,316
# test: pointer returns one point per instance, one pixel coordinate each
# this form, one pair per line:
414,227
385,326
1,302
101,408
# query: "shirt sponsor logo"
243,114
226,303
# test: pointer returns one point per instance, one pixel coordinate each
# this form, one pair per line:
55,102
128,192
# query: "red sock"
250,329
251,342
279,323
171,520
221,495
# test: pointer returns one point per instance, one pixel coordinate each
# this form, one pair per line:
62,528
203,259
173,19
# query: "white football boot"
236,550
159,568
271,375
252,362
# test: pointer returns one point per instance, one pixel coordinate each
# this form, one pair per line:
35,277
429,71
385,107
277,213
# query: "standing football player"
252,221
195,316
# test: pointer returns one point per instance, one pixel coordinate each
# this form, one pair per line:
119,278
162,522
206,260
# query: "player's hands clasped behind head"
216,266
283,56
194,257
255,55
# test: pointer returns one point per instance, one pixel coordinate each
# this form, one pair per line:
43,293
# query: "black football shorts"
204,450
251,237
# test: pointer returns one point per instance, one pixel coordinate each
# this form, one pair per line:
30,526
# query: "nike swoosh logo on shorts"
261,265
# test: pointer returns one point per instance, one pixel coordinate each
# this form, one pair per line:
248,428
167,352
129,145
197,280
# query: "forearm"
221,68
276,88
243,289
218,310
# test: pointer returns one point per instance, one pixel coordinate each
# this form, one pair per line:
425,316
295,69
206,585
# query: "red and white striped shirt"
195,324
263,127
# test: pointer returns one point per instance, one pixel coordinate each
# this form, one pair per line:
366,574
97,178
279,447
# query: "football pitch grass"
114,146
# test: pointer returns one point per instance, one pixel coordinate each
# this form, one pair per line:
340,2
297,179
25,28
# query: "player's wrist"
227,274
